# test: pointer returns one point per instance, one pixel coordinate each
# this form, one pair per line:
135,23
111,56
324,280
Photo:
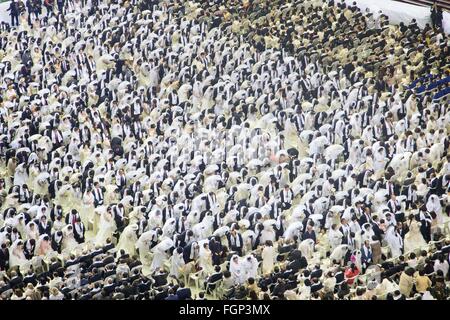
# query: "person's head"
410,271
253,295
360,291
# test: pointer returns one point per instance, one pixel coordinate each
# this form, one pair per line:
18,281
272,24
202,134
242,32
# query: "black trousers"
49,10
31,12
426,232
14,20
285,206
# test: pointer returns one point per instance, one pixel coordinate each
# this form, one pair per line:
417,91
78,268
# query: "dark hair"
253,296
410,271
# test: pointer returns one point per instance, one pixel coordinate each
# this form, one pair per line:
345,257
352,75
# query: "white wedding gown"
17,257
268,255
68,243
87,208
177,264
106,228
205,261
159,257
128,240
414,239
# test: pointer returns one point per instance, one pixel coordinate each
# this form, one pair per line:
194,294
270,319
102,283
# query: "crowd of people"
229,149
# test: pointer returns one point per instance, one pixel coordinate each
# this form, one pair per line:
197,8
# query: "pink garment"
43,248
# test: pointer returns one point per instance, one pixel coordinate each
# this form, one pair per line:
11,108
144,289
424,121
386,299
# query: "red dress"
350,274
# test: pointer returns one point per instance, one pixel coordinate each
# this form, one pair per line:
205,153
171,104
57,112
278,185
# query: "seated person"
184,293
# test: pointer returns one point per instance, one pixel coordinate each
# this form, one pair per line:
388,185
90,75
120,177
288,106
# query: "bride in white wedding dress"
16,255
106,227
414,239
128,239
68,243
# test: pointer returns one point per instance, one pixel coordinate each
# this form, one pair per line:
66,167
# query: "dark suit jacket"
340,277
316,287
143,287
215,277
4,259
362,220
5,288
54,266
71,263
184,293
365,258
109,288
172,297
30,279
160,279
46,230
234,247
297,264
97,264
108,247
15,282
317,273
95,277
307,235
279,289
378,232
87,296
216,249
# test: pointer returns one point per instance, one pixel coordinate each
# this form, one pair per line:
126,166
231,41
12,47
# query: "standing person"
49,6
60,4
436,16
235,241
406,282
21,7
366,255
14,13
37,4
351,273
4,257
269,257
310,233
375,247
30,7
236,270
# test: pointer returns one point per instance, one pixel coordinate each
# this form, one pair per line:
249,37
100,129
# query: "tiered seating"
432,85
